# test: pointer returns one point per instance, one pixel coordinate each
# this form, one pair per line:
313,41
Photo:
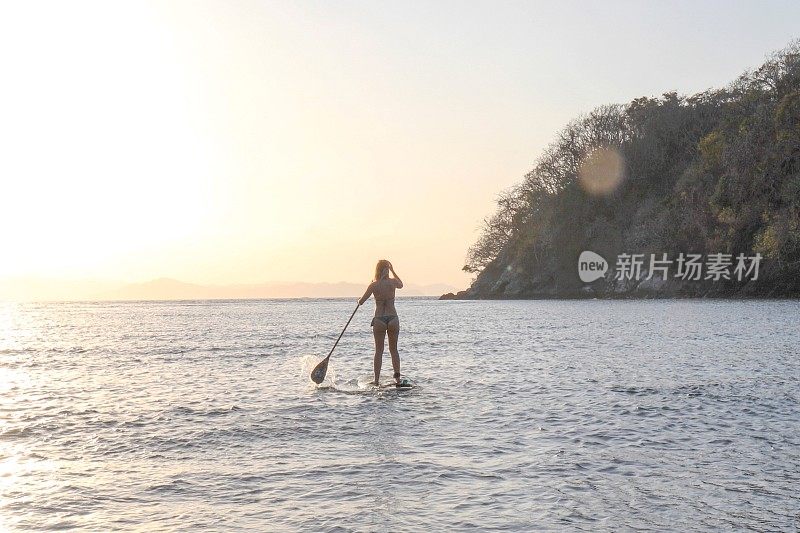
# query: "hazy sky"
243,142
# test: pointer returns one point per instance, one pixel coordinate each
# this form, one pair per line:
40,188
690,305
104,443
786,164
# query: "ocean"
678,415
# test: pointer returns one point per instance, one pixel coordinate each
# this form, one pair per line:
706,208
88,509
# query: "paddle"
318,374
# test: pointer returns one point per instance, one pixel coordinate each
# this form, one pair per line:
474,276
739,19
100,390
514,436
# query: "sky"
249,142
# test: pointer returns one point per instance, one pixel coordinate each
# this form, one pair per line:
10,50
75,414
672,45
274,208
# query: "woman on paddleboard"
385,321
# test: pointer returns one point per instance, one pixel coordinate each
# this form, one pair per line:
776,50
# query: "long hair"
379,268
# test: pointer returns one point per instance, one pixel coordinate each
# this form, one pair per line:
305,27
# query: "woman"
385,319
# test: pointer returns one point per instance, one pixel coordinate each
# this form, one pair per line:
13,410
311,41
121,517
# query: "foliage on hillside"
714,172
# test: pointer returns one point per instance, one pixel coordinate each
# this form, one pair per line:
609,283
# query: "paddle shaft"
343,330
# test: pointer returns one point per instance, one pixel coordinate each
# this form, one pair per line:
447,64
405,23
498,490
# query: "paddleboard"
404,384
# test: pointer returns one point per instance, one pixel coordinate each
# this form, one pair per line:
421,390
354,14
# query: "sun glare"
100,156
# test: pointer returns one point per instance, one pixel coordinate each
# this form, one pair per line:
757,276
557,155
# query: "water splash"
307,364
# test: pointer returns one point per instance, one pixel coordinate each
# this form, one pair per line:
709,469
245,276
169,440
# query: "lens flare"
602,171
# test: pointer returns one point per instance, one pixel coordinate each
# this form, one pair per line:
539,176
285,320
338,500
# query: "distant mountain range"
30,289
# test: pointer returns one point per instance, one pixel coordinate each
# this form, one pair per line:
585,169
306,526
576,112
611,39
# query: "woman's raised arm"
397,281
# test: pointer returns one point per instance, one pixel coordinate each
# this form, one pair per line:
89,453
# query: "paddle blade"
318,374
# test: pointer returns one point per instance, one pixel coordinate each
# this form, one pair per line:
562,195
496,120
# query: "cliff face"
655,186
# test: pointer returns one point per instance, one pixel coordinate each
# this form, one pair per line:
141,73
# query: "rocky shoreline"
500,281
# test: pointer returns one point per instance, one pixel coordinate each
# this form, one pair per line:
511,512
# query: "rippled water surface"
546,415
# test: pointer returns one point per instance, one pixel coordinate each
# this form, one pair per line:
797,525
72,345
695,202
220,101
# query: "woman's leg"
394,333
379,332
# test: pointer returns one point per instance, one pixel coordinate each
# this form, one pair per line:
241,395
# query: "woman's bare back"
384,290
